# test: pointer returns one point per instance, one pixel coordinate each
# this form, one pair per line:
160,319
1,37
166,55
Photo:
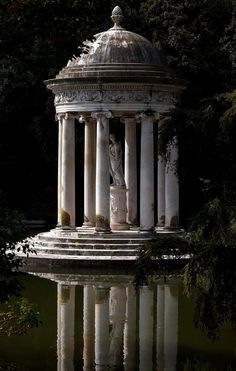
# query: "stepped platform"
84,247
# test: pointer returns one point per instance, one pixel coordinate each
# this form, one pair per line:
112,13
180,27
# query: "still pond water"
104,322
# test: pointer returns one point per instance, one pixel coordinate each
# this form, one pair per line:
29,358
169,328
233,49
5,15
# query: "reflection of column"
172,189
102,172
145,328
117,320
131,169
89,172
59,170
65,327
89,322
160,328
101,328
130,330
147,173
68,172
161,187
171,327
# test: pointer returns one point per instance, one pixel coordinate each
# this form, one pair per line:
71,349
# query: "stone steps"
91,239
86,247
87,251
83,258
88,244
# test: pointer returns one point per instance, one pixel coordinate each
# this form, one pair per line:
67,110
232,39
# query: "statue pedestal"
118,208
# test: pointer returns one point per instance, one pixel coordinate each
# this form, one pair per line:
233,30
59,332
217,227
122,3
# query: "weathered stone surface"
118,66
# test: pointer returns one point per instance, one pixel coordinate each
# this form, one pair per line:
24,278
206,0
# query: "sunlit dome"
114,54
118,45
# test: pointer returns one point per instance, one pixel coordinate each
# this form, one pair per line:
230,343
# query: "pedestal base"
118,208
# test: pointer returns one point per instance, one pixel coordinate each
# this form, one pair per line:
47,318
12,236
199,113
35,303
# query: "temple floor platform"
85,247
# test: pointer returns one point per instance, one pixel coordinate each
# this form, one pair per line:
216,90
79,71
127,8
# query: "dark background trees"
197,40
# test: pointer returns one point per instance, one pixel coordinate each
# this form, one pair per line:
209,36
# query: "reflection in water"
89,322
65,326
123,328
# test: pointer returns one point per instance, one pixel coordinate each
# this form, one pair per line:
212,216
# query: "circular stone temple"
119,75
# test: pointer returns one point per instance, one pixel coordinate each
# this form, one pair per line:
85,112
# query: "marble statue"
115,165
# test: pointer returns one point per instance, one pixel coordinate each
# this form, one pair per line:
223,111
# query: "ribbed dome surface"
116,56
119,46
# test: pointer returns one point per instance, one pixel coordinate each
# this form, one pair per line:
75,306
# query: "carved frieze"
78,96
119,96
115,96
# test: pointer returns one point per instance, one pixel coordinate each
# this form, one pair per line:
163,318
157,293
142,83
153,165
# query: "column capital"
98,114
67,116
150,115
87,119
101,294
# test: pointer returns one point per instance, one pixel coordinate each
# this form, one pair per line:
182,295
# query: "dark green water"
105,323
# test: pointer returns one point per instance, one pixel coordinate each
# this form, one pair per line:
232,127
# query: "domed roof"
119,71
118,46
115,56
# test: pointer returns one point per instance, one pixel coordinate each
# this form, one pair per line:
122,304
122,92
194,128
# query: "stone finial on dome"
117,16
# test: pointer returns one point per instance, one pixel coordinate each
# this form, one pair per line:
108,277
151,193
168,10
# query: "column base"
65,228
102,224
88,225
147,229
159,228
119,226
101,230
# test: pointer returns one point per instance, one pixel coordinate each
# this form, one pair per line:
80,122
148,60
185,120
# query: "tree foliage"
20,317
210,274
193,35
17,314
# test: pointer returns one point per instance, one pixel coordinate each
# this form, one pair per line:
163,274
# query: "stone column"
65,327
145,328
101,328
161,186
172,189
131,169
89,327
147,173
59,117
130,330
89,172
102,172
68,172
170,327
117,321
